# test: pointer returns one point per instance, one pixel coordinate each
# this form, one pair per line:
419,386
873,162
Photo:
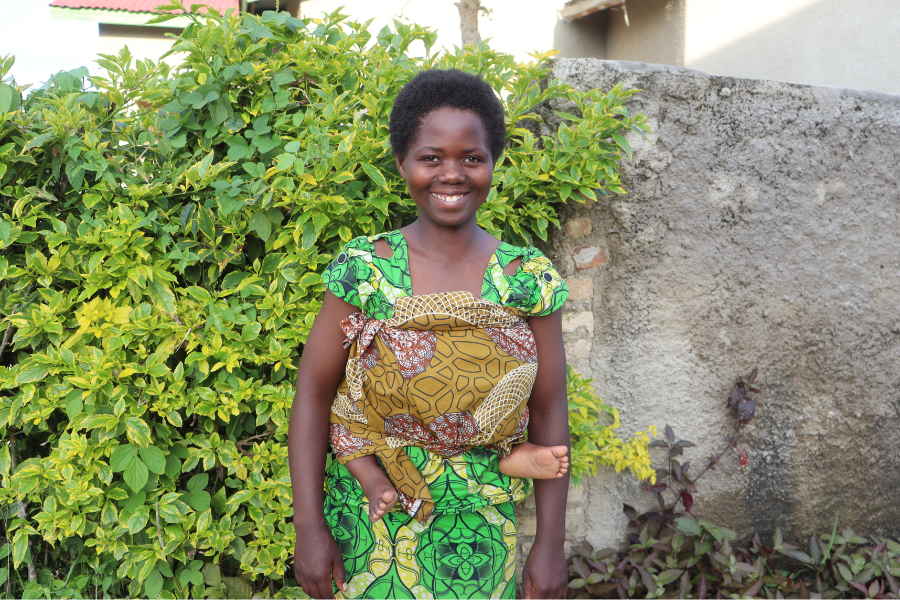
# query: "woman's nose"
451,173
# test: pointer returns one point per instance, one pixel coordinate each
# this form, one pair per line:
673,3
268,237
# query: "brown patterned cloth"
447,372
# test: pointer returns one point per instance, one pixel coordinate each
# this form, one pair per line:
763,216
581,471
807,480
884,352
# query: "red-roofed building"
124,22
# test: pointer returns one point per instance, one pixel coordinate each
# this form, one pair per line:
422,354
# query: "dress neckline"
492,271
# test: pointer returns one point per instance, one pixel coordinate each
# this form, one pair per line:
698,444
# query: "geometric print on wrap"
440,382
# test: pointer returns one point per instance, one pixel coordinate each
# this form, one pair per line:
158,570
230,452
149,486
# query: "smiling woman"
430,381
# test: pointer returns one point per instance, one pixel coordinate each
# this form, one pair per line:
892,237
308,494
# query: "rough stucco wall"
760,229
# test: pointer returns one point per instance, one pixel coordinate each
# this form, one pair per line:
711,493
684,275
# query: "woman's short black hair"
431,90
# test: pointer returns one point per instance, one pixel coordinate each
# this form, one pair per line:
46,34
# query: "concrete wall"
841,43
760,229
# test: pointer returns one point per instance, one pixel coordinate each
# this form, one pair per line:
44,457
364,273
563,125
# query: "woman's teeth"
448,199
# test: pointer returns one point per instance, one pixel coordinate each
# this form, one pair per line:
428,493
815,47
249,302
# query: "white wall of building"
845,43
142,42
518,27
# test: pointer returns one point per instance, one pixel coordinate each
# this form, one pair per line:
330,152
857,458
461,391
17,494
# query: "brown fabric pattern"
452,372
516,341
344,442
413,349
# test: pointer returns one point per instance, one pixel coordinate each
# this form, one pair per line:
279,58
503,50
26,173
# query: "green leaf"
197,483
37,141
20,545
688,525
309,235
138,520
623,143
254,169
375,175
199,501
31,372
261,224
173,466
137,430
212,575
9,98
250,331
219,501
158,370
5,462
136,475
153,584
136,500
154,21
198,293
207,226
74,404
125,458
122,456
237,587
161,295
154,459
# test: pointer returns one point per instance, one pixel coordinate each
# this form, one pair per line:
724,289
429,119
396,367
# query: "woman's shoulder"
536,287
354,276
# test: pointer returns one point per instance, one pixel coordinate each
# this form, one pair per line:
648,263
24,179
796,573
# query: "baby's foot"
381,494
536,462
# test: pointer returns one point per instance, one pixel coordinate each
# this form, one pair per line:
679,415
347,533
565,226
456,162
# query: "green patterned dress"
466,547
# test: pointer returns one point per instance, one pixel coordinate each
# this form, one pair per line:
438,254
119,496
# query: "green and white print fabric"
373,283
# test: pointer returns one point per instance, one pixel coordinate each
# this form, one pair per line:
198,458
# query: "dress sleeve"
545,288
348,270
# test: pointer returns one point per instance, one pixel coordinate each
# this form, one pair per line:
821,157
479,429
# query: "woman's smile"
449,198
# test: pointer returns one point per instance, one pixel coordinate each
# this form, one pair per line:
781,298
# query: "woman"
436,376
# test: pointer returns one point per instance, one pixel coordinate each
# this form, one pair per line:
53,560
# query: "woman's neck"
441,244
448,259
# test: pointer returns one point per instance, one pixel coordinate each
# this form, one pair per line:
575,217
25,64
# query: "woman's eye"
472,159
430,158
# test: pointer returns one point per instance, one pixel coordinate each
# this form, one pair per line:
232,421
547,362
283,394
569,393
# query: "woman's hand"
317,559
545,574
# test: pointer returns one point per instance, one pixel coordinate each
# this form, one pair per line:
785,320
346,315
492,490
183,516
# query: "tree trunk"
468,21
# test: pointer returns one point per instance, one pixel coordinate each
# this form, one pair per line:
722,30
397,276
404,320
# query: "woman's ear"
399,160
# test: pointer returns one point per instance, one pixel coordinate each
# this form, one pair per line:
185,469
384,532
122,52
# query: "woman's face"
448,166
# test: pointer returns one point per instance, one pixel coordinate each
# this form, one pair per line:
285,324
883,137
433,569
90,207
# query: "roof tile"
138,6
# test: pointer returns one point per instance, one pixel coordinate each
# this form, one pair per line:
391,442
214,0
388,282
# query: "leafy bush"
692,558
595,444
163,234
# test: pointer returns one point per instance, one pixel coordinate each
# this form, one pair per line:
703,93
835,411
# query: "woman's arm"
545,574
316,554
